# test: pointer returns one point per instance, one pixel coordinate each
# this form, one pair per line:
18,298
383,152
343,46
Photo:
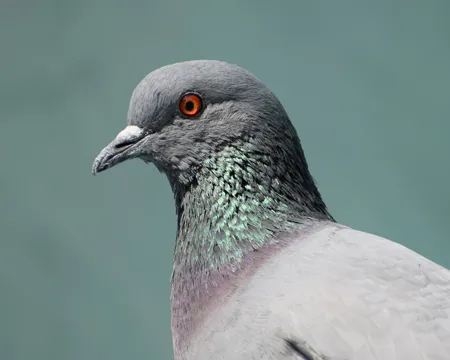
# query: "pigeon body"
261,269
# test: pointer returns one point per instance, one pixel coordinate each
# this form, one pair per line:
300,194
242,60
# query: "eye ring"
191,104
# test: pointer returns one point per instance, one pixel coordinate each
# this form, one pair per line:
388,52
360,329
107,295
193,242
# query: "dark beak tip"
94,171
98,166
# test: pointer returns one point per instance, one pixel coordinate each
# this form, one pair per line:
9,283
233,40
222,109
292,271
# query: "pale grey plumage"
343,293
261,270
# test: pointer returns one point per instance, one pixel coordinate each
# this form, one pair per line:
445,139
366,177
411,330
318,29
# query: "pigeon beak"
123,147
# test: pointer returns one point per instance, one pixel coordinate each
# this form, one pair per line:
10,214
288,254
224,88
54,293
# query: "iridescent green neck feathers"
240,199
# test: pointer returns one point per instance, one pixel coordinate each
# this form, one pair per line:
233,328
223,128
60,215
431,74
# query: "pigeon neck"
238,203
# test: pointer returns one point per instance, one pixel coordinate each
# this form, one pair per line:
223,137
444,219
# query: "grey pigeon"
261,269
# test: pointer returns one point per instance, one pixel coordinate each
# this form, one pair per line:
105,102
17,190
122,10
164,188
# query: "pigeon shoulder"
336,293
357,295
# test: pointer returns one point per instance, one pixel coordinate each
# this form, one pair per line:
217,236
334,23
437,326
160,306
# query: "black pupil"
190,106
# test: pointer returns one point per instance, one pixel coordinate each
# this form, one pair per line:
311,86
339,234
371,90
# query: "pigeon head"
211,116
182,113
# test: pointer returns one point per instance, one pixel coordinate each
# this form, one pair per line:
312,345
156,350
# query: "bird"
261,269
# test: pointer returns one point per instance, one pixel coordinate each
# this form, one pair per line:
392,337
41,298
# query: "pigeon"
261,269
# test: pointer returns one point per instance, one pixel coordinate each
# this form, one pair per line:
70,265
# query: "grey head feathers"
239,110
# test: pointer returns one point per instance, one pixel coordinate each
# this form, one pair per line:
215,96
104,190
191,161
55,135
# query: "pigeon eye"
191,104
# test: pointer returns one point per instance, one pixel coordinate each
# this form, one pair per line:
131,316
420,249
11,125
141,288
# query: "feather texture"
342,294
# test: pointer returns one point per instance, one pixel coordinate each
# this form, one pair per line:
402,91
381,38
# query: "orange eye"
191,104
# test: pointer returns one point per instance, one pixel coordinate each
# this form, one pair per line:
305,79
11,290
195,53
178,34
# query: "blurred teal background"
85,262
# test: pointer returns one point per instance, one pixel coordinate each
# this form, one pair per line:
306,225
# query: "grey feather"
261,269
